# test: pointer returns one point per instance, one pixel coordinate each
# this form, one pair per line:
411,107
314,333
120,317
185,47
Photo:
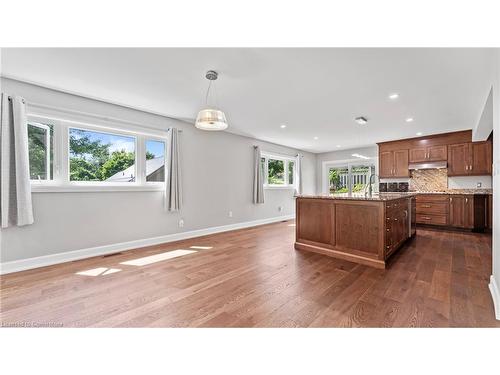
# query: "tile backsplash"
429,180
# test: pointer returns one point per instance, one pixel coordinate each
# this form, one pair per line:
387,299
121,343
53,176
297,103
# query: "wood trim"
442,139
341,255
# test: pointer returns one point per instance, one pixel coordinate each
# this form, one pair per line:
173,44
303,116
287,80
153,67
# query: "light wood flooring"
255,278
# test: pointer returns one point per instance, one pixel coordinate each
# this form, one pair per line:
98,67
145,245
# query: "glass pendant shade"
211,119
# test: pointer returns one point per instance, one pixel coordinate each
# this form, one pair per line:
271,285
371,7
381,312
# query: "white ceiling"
316,92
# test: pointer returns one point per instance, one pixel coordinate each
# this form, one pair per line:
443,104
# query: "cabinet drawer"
440,208
432,198
432,219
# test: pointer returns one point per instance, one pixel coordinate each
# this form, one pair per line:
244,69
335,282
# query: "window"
279,171
41,151
96,156
349,178
275,172
155,161
69,152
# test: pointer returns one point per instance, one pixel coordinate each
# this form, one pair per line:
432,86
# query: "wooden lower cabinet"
455,210
396,228
357,230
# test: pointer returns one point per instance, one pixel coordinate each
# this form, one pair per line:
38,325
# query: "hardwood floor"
255,278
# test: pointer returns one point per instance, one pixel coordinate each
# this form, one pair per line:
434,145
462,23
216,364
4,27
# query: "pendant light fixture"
211,118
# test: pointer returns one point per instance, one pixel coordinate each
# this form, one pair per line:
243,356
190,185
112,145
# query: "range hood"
428,165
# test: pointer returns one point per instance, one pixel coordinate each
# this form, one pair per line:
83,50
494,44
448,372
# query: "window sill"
92,189
278,187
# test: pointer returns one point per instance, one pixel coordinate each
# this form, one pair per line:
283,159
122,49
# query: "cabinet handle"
426,218
451,200
466,167
426,206
395,219
470,168
466,200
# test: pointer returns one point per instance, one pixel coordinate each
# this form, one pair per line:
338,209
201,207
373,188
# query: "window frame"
286,160
63,122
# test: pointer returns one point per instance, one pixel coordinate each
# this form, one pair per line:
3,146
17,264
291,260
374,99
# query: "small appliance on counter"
393,187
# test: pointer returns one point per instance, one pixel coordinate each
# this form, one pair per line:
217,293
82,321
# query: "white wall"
496,183
342,155
217,178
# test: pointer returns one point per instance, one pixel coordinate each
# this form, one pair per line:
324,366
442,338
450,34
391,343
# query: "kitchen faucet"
369,185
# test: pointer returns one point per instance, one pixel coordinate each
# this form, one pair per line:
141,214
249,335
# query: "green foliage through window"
96,156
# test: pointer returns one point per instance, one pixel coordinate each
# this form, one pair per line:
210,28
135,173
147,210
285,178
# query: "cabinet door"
458,159
457,211
481,155
437,153
469,212
386,164
401,164
418,155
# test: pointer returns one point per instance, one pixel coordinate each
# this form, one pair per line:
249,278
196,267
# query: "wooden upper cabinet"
433,153
474,158
458,159
393,164
418,155
386,164
401,163
437,153
482,158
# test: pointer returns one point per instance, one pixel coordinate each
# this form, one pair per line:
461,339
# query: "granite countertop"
359,197
458,191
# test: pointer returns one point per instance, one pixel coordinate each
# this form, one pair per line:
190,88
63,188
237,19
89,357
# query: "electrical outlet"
479,184
181,223
230,214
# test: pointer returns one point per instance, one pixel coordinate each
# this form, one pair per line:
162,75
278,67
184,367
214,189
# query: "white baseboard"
48,260
495,294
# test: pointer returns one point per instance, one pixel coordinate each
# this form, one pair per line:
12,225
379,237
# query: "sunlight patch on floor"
158,257
201,247
291,225
100,271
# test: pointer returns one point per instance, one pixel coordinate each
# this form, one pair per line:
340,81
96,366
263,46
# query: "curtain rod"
106,118
10,98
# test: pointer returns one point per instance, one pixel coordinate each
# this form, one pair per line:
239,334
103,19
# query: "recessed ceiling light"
315,138
361,120
283,126
419,133
394,96
409,119
338,146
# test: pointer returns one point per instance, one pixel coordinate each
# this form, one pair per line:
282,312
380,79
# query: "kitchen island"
365,230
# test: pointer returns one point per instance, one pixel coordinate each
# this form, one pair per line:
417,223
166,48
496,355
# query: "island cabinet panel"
359,228
354,229
315,221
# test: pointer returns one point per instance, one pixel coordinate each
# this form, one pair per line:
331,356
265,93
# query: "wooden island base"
358,229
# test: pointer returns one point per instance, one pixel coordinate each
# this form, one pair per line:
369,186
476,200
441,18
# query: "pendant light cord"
208,91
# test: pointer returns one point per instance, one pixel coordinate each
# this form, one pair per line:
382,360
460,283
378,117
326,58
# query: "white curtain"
173,184
298,171
15,186
258,177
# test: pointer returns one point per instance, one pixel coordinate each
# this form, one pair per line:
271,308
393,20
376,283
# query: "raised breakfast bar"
357,228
